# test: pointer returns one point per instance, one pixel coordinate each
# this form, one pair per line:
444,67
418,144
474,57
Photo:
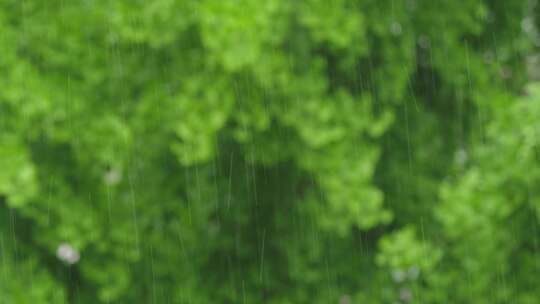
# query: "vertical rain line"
133,210
262,256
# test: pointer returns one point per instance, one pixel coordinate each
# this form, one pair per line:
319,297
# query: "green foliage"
241,151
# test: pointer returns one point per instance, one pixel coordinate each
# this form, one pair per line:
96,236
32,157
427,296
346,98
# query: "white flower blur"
67,254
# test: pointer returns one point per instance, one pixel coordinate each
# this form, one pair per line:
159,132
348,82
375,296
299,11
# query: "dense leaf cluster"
242,151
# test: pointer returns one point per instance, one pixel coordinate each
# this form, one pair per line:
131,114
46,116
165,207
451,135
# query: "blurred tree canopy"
242,151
